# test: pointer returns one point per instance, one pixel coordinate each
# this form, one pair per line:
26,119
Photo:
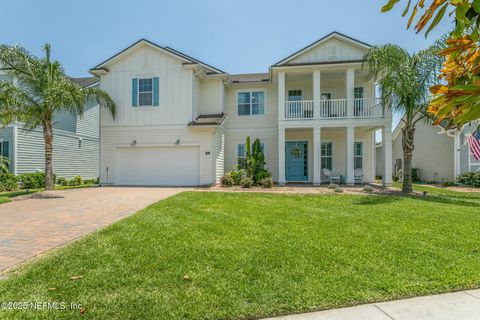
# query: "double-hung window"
327,155
358,155
145,92
251,103
242,153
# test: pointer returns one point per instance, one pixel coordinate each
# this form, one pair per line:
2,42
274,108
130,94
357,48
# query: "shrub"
35,180
90,181
62,181
368,188
266,183
226,180
338,189
237,176
333,186
76,181
262,174
246,182
469,179
8,182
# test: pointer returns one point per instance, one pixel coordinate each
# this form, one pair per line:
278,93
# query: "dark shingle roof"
85,82
250,77
209,120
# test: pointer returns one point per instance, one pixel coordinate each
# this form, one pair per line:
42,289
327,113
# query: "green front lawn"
254,255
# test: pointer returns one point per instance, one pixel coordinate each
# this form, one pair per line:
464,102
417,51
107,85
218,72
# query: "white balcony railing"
367,108
333,109
299,109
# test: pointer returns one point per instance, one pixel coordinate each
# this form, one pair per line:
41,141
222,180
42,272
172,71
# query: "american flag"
474,142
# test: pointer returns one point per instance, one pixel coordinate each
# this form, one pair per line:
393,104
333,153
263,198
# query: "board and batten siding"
114,137
175,90
331,50
71,157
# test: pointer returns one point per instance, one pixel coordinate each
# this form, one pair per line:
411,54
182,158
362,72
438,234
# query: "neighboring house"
75,142
183,122
439,155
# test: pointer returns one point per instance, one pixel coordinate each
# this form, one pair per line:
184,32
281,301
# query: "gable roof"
170,51
329,36
86,81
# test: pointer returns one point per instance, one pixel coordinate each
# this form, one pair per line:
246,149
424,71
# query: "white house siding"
379,162
219,147
210,98
113,137
433,153
88,124
262,127
71,157
331,50
175,89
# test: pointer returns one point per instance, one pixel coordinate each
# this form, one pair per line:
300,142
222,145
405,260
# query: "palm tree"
39,90
404,81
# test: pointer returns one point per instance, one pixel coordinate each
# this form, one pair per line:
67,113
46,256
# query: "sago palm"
40,88
404,81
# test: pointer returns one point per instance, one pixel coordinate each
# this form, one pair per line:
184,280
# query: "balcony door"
295,96
326,104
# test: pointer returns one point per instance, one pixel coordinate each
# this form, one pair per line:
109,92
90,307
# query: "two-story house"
75,142
183,122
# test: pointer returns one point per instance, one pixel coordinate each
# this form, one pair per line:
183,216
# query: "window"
327,155
251,103
242,153
358,155
358,102
145,92
295,95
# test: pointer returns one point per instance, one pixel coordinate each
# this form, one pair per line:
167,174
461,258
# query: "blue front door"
296,160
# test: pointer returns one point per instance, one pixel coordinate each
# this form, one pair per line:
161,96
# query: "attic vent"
332,52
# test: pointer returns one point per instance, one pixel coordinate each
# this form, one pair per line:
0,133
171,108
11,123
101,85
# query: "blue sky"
236,36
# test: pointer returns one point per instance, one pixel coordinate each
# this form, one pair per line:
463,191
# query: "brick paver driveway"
32,226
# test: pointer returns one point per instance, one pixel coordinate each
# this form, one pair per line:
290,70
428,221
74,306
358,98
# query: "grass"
6,196
255,255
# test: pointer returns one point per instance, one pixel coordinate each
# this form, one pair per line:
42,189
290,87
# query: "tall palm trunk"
408,133
48,137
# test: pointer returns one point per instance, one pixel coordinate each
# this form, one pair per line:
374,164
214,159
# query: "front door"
296,160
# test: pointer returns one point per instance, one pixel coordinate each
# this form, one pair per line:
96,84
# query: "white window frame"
138,91
360,156
251,91
332,156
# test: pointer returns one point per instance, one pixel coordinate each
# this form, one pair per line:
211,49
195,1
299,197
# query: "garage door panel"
173,166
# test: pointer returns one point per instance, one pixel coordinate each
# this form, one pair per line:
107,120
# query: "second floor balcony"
334,109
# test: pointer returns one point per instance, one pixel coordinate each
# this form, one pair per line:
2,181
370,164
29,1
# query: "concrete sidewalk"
462,305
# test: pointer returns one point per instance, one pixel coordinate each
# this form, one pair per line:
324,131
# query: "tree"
457,101
404,80
39,90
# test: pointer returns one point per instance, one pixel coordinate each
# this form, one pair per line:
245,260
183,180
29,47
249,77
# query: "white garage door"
157,166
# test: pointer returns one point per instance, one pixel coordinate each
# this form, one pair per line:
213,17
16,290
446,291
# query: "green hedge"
35,180
8,182
469,179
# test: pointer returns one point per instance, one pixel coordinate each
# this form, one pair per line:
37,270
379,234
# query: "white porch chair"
334,177
358,175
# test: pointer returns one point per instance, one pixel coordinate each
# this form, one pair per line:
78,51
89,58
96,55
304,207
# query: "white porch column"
281,95
350,163
456,155
317,170
316,94
349,91
387,154
281,156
